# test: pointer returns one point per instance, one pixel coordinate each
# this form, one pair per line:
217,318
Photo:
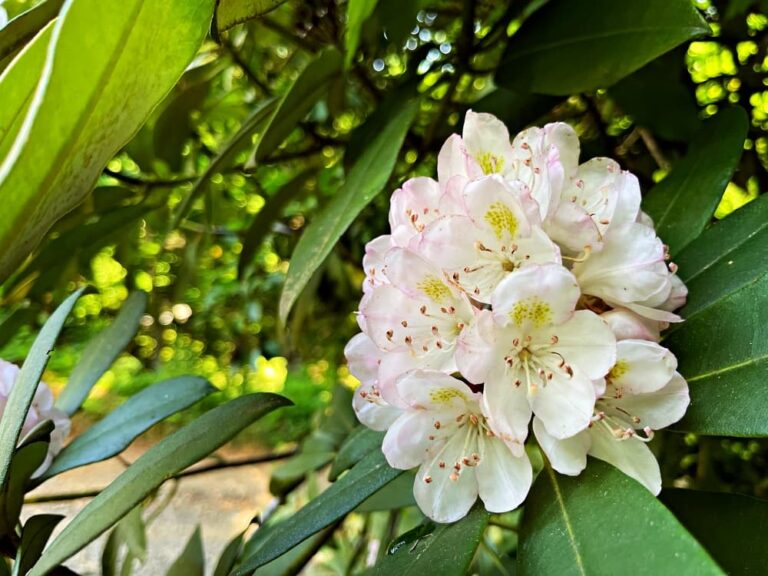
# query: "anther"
437,424
427,479
404,323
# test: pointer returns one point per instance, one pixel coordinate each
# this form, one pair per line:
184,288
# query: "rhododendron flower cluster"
42,409
519,291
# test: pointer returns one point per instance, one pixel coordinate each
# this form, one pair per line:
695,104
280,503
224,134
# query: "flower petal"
661,408
435,391
372,410
407,442
567,455
373,262
631,456
505,403
625,324
503,479
641,367
412,207
487,141
565,404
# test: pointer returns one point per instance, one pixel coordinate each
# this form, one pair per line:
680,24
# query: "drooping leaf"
26,25
17,85
337,501
683,203
357,446
227,155
358,12
23,391
139,413
299,99
729,526
89,104
25,461
445,549
171,455
230,13
580,45
657,98
603,522
101,352
366,179
34,537
191,561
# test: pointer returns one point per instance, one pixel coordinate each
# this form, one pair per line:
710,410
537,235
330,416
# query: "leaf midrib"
571,534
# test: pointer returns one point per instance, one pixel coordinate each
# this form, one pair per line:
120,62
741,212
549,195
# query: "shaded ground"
222,501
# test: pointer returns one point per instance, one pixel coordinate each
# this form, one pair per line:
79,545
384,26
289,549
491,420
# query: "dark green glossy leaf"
23,391
25,461
229,556
603,522
34,537
358,12
337,501
580,45
170,456
26,25
89,104
358,445
659,98
367,178
445,549
396,494
293,471
230,13
174,125
300,98
731,527
191,561
722,347
101,352
297,557
683,203
139,413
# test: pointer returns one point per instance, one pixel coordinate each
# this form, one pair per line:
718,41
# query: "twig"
653,148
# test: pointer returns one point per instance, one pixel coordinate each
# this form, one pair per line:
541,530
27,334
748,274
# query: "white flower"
42,409
444,432
498,234
373,262
535,354
417,203
643,392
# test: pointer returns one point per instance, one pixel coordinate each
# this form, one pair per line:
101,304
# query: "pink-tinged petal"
572,228
653,314
629,269
439,393
397,362
487,141
497,206
442,494
631,456
595,189
625,325
503,479
563,139
373,262
476,351
565,404
372,410
567,456
535,297
454,160
658,409
409,438
585,340
419,278
505,404
363,358
412,207
641,367
628,204
677,295
449,242
645,220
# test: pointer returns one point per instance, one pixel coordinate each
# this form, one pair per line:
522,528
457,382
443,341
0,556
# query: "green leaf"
367,178
88,104
299,99
358,12
658,98
19,31
516,109
17,85
34,537
174,125
683,203
260,227
731,527
170,456
25,461
357,446
229,556
139,413
230,13
227,155
293,471
445,549
191,561
23,391
101,352
337,501
603,522
297,557
396,494
581,45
